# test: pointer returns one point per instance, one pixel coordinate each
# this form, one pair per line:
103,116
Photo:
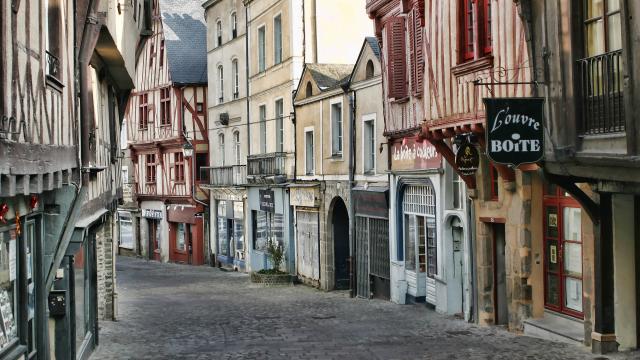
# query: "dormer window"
309,90
369,70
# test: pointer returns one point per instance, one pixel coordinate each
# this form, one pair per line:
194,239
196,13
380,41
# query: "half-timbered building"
167,133
66,70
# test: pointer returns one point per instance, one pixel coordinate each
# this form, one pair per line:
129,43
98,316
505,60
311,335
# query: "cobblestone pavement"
168,311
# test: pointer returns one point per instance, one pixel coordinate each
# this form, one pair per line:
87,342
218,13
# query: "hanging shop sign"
267,201
152,214
467,159
514,131
410,153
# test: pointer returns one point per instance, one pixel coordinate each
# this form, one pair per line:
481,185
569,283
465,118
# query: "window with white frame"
237,149
219,33
220,84
263,129
456,190
234,25
277,39
369,145
261,49
279,126
336,129
420,243
236,79
308,152
221,149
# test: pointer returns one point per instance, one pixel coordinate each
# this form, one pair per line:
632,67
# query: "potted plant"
272,276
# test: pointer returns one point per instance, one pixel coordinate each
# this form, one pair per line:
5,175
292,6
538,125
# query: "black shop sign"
267,201
514,131
467,159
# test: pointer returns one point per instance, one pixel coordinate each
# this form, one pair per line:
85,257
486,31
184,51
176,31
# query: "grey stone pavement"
168,311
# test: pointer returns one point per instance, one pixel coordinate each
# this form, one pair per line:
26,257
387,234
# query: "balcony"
235,175
266,166
601,90
53,65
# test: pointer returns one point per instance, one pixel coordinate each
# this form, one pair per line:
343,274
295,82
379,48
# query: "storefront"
270,218
373,278
230,234
126,228
151,229
186,225
305,201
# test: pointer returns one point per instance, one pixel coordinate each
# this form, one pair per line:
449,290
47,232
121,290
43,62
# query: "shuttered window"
396,58
417,54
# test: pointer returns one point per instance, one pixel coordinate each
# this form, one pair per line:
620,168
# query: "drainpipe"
295,139
352,109
473,314
246,67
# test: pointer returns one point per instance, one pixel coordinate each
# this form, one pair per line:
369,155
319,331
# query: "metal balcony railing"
53,65
225,175
272,164
602,94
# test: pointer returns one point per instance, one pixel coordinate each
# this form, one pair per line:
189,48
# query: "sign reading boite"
515,133
267,201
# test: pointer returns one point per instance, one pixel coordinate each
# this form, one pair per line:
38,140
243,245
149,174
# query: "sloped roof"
185,34
375,47
329,76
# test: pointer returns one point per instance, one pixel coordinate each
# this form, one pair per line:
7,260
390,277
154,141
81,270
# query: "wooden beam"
448,154
569,185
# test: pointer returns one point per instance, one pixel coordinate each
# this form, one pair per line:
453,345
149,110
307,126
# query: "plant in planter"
272,276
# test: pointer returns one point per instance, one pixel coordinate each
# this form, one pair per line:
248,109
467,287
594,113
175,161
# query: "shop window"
223,230
277,40
8,290
180,235
420,241
143,109
238,228
151,168
126,230
178,167
267,226
475,27
336,129
279,125
495,183
165,106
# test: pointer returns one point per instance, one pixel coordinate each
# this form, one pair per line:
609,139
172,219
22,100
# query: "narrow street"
168,311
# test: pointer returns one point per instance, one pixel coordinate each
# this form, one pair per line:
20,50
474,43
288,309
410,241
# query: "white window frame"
334,154
275,117
237,147
234,24
365,119
262,67
220,84
235,68
218,32
309,129
221,148
263,139
274,39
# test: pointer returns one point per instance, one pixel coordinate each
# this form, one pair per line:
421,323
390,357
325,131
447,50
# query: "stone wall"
106,237
332,189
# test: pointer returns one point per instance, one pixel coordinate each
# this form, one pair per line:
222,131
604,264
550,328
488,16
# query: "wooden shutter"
396,58
412,49
419,54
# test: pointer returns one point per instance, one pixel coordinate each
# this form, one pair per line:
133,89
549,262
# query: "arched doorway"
340,225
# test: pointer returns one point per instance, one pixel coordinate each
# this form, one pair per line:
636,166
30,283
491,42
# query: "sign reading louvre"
515,130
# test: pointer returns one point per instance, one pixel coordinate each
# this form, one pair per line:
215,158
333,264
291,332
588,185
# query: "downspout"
246,69
295,140
352,109
473,314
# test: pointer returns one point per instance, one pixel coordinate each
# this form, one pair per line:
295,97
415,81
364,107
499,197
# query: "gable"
307,78
360,70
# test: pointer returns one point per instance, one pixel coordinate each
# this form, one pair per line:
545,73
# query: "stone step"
556,327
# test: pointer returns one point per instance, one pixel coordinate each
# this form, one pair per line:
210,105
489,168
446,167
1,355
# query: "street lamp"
187,150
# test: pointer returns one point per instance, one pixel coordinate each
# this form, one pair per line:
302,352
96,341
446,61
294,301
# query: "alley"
168,311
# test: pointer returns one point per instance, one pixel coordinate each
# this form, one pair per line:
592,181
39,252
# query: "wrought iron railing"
53,65
602,106
225,175
272,164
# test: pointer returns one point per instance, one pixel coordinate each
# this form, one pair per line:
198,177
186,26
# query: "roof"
185,34
375,46
329,76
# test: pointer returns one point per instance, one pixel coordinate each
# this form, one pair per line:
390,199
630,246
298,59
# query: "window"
236,79
279,126
8,289
456,190
237,148
263,129
416,55
277,40
420,242
200,108
221,149
161,53
308,153
475,26
261,49
234,25
180,234
396,58
369,70
151,168
495,185
369,144
267,226
178,166
53,27
336,129
202,160
126,230
219,33
602,26
308,92
152,52
165,107
220,84
143,115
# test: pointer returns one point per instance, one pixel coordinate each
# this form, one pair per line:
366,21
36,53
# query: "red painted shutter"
396,58
419,55
412,49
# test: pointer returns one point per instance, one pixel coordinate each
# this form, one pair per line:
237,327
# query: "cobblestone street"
168,311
